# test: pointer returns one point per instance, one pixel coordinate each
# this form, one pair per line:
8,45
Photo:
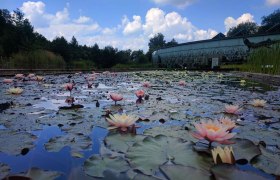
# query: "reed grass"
38,59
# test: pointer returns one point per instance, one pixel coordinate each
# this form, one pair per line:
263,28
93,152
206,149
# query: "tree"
155,43
271,23
243,29
173,42
60,46
74,42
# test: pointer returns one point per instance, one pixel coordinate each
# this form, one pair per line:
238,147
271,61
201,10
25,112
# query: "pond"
44,137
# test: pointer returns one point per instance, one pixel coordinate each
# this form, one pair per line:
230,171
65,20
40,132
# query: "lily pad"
180,172
121,142
143,176
4,170
13,142
96,165
148,154
231,172
267,161
245,149
77,142
171,131
36,173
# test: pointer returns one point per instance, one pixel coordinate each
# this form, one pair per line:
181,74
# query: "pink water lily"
116,97
140,94
69,87
19,76
31,75
121,121
212,131
232,109
182,83
7,80
227,122
146,84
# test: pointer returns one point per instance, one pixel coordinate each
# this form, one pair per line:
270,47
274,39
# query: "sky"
129,24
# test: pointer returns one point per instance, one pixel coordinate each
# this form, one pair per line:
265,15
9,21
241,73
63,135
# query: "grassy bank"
39,59
262,60
133,65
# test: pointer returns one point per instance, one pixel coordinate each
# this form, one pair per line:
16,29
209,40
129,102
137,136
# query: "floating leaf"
144,177
180,172
245,149
231,172
38,174
4,170
96,165
13,142
267,161
77,154
171,131
77,142
121,142
148,154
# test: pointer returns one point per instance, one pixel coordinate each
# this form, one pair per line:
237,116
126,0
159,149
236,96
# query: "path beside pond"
262,78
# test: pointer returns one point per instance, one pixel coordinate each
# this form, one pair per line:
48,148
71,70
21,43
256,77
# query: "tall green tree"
243,29
271,23
60,46
155,43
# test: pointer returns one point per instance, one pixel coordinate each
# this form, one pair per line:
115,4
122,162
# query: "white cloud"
177,3
273,2
131,33
231,22
82,20
132,27
173,25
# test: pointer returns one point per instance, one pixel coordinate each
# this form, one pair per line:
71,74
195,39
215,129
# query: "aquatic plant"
19,76
212,131
39,78
140,94
223,155
230,124
232,109
116,97
31,75
70,100
258,103
182,83
121,121
69,87
146,84
7,80
15,90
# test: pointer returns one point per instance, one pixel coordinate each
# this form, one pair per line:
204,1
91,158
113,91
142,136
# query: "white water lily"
122,121
258,103
221,155
15,90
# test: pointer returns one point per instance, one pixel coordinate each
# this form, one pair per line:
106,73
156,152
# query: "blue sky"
130,24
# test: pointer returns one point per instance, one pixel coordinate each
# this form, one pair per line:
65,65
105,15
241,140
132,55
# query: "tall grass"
82,65
264,60
39,59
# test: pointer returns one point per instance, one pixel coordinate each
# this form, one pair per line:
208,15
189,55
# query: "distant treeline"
22,47
269,24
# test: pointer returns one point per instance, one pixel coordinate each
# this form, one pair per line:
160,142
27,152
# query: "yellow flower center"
212,127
